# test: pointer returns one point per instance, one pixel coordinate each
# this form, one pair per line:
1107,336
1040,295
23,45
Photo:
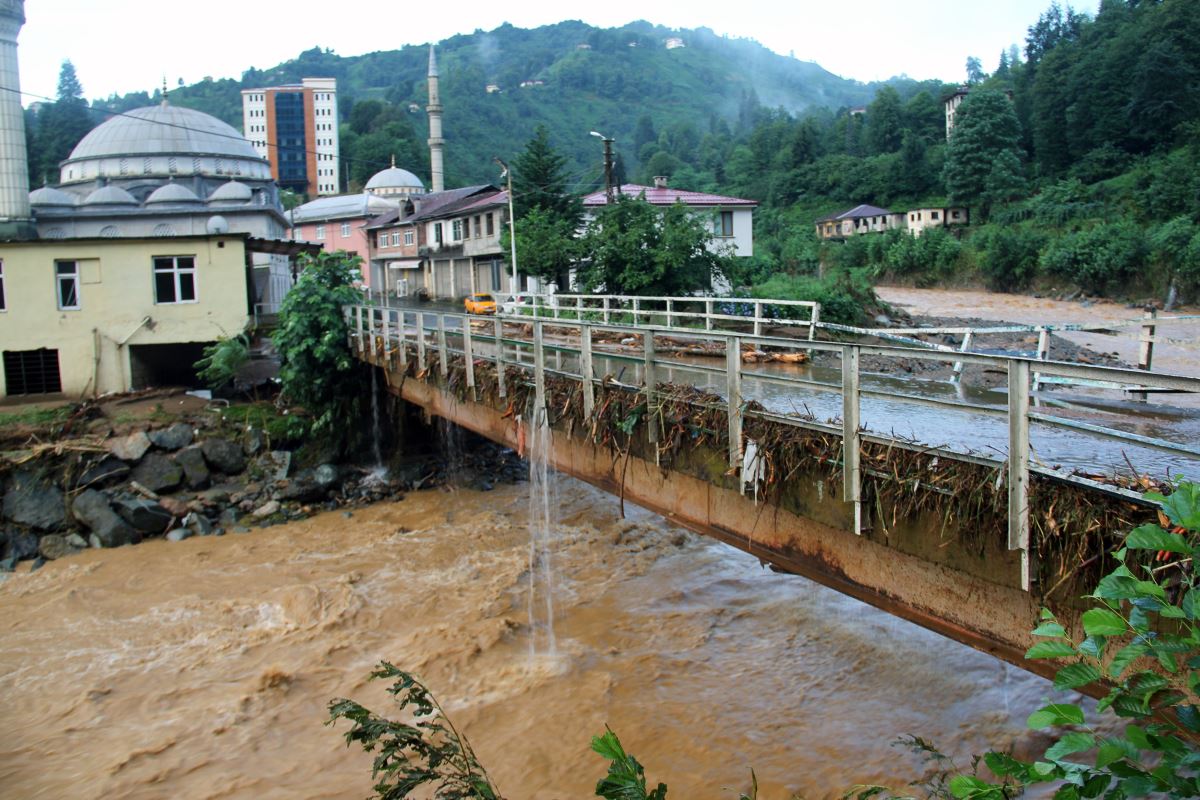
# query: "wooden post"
469,356
1146,349
443,352
758,319
539,376
851,444
651,380
585,369
1018,464
500,356
420,341
733,395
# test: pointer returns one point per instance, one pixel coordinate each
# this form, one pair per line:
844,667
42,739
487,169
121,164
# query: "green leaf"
1138,738
1050,629
1055,714
967,786
1102,622
1075,676
1050,649
1124,657
1189,605
1182,507
1002,764
1152,537
1113,750
1092,646
1068,744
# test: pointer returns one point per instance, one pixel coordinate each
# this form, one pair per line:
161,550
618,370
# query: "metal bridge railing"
530,339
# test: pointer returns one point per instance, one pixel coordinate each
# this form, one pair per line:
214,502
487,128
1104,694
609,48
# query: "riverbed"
202,668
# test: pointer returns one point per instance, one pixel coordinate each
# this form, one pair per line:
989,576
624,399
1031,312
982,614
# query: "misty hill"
591,79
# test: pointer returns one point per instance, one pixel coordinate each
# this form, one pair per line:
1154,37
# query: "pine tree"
983,165
61,125
539,180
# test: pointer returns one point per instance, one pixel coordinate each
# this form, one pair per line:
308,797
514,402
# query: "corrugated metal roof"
666,197
858,212
342,206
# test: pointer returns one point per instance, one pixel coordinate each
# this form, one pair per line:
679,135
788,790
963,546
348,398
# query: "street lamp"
608,166
515,287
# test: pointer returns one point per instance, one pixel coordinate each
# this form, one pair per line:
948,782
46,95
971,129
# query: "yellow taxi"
479,304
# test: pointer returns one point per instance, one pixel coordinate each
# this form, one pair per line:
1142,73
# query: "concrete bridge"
675,412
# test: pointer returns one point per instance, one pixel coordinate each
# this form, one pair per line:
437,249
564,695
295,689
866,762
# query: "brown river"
202,669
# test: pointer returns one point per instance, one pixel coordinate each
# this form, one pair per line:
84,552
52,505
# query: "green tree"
61,125
885,121
975,73
317,369
540,180
546,245
633,247
983,165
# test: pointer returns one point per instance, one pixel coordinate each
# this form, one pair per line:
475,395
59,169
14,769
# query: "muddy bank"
202,669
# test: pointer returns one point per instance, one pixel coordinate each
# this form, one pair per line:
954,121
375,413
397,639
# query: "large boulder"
33,502
53,545
195,470
20,545
224,456
277,464
158,473
144,515
131,447
92,509
106,471
173,437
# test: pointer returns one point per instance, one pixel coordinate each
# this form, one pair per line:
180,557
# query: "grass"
35,416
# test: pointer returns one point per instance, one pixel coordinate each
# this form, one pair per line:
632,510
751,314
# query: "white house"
921,218
731,218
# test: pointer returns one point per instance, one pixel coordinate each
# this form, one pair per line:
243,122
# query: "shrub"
1009,256
928,258
1097,258
844,295
222,360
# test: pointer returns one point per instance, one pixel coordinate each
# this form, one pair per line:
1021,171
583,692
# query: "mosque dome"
395,180
232,192
163,140
110,196
49,196
172,193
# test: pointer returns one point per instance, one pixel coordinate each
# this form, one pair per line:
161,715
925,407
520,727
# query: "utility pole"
608,167
515,286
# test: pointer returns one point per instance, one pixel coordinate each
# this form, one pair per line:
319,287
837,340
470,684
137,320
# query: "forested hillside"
592,79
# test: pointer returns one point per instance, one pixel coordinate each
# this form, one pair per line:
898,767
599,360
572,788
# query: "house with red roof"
731,218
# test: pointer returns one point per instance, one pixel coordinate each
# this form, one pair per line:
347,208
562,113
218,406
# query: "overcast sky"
129,45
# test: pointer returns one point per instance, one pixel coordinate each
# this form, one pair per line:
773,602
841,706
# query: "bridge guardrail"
394,329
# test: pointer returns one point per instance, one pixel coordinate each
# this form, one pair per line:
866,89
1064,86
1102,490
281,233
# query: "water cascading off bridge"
968,544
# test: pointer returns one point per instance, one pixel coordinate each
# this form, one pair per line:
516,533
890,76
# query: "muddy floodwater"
202,669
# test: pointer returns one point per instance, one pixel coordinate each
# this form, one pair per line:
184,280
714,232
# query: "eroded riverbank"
201,669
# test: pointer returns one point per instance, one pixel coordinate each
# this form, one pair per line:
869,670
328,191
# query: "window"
456,229
954,214
491,229
382,241
174,279
408,237
933,215
478,227
3,307
345,230
395,238
437,233
32,372
66,274
320,233
723,224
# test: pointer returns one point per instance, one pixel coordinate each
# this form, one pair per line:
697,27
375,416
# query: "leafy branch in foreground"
626,779
430,751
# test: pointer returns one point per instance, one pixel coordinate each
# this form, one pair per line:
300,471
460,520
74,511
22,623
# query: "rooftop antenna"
164,91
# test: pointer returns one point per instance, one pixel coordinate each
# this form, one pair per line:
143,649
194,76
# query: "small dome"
217,224
110,196
172,193
49,196
394,179
232,192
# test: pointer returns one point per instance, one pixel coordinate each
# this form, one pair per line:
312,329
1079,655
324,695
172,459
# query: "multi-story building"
295,128
860,219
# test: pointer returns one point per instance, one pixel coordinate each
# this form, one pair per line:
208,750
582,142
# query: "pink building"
339,223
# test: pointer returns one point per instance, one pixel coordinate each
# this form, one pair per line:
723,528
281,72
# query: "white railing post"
539,376
1146,349
402,344
585,369
1018,464
579,307
469,356
606,312
670,309
814,321
851,441
733,395
958,365
1043,350
651,379
636,312
443,351
499,324
358,328
708,312
758,319
420,341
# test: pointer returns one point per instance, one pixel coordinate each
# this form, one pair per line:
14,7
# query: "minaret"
16,221
436,142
